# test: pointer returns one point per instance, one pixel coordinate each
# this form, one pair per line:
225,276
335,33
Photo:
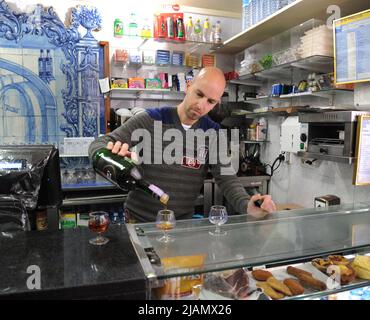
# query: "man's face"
201,97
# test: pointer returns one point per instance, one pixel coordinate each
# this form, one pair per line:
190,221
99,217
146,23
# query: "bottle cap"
164,198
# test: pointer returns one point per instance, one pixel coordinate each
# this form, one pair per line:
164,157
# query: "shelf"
251,82
138,43
327,93
286,18
138,90
155,67
94,200
320,156
254,141
146,94
320,64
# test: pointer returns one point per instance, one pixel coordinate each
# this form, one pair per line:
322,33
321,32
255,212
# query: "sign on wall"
362,164
352,48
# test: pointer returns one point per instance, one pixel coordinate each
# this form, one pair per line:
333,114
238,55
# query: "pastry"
321,264
338,260
261,275
311,282
279,286
347,273
296,271
361,265
270,291
294,286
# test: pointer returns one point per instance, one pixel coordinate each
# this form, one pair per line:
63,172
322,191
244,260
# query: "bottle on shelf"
189,29
159,27
170,29
197,31
132,26
212,34
125,174
261,129
118,28
218,36
146,31
180,29
206,30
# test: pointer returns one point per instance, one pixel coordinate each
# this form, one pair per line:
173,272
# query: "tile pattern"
49,76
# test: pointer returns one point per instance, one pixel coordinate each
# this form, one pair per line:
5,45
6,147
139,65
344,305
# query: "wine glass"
165,221
217,216
98,222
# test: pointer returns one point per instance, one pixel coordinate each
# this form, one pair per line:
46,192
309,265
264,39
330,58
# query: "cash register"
29,180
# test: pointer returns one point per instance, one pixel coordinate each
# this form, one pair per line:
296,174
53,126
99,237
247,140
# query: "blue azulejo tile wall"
49,76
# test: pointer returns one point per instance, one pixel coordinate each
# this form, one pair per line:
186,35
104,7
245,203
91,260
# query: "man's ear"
189,83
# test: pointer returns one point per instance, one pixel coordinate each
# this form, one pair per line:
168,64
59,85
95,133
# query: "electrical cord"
280,158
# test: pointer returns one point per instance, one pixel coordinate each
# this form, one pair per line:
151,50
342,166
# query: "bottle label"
156,190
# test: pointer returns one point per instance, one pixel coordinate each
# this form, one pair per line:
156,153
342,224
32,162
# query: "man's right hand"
122,149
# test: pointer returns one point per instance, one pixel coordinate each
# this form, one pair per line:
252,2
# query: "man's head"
204,92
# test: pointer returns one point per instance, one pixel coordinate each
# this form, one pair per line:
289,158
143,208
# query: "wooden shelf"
286,18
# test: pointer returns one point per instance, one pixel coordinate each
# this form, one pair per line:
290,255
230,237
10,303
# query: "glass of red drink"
98,222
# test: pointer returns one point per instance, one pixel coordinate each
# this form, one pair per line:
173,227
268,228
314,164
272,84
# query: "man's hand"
268,206
122,149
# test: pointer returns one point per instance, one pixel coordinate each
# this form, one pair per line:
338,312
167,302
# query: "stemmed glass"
165,221
217,216
98,222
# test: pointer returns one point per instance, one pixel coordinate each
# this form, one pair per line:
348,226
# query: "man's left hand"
268,206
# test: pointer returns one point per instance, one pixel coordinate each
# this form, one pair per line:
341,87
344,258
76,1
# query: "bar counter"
70,267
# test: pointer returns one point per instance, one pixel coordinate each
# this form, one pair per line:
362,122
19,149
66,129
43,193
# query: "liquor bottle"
189,29
170,31
180,28
118,28
132,26
206,30
212,34
125,174
218,38
146,31
197,31
160,26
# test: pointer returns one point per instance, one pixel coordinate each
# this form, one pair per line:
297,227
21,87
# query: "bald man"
183,179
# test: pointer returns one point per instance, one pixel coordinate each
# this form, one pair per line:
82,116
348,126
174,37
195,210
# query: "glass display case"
198,265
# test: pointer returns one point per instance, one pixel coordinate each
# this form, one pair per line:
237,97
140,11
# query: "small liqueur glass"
218,216
165,221
98,222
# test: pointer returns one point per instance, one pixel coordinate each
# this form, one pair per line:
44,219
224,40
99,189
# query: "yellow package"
183,287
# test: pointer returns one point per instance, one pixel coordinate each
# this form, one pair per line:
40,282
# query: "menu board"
362,164
352,48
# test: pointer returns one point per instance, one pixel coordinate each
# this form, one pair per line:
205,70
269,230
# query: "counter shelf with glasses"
283,239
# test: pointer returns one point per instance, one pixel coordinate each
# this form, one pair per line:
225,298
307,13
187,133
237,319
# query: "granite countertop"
70,267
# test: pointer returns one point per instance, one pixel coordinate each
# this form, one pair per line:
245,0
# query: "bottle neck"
153,190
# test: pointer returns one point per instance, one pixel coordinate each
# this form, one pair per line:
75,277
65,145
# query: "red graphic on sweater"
191,163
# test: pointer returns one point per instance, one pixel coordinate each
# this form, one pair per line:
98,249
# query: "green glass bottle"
125,174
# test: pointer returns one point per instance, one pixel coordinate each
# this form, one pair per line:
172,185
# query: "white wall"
300,183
